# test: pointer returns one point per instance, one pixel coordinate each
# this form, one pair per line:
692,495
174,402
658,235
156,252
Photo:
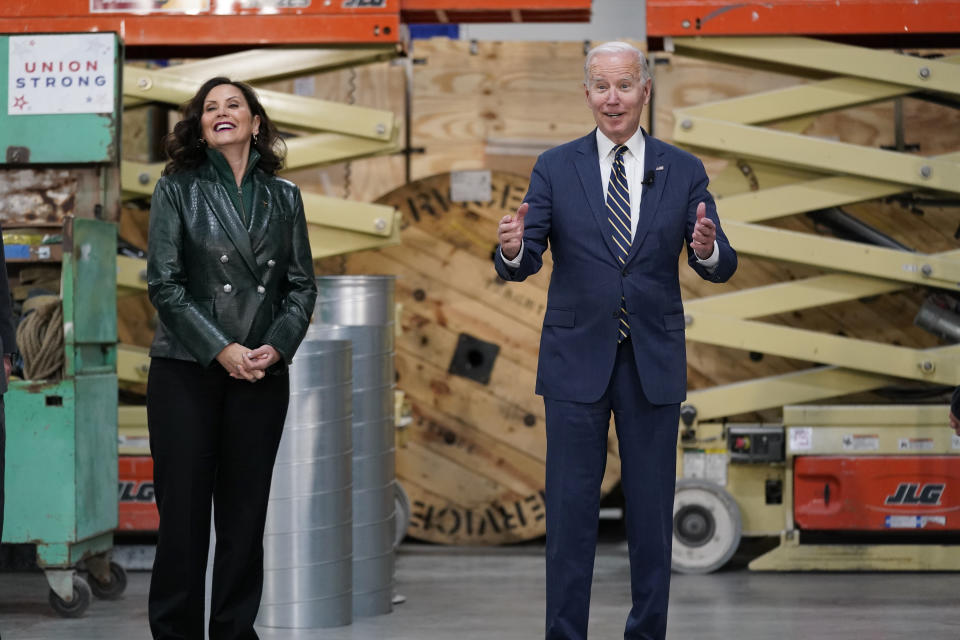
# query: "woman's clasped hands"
247,364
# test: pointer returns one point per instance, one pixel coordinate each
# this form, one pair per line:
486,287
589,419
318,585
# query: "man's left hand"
704,234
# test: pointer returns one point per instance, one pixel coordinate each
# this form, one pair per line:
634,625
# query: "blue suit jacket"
567,212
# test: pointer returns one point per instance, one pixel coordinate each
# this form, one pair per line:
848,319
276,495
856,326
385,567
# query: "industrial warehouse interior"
547,237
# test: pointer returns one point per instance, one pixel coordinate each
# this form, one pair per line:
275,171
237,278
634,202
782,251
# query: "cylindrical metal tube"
318,614
308,541
361,309
931,316
354,301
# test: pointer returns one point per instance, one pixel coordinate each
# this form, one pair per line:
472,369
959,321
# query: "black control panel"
755,443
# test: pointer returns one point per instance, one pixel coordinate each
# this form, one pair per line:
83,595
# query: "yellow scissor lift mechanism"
810,174
339,133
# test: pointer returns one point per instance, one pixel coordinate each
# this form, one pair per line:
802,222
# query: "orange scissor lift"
885,476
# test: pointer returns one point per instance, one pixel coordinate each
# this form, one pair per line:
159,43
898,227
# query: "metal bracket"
18,155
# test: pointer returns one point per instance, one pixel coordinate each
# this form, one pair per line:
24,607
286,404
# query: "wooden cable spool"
473,458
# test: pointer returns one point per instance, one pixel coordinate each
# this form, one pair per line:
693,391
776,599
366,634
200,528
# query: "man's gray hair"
608,48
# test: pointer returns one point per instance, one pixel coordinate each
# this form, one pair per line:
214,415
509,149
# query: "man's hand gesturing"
510,233
704,234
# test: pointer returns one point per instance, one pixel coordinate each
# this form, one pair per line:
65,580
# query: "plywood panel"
470,95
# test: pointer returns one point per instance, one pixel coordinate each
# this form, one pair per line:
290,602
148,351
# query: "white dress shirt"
633,165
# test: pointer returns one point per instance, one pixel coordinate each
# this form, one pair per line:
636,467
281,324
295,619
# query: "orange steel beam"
173,23
414,11
210,22
219,30
793,17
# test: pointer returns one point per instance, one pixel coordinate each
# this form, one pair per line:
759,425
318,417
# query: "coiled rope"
40,338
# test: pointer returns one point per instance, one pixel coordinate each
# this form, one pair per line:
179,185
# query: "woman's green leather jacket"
213,281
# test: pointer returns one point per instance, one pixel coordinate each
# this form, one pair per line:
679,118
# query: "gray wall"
611,20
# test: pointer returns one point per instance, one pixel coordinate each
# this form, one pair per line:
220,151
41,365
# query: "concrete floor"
495,594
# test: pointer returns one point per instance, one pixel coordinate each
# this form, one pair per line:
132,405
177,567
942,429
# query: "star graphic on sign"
19,102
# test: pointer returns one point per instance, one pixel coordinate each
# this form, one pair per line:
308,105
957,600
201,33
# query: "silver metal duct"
361,309
936,315
308,541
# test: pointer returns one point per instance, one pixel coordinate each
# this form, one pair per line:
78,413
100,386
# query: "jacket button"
227,288
626,272
616,314
271,262
261,289
224,259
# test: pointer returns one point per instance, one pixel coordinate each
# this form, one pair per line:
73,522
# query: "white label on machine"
717,468
915,444
694,464
61,74
705,466
470,186
860,442
913,522
954,441
149,6
272,5
801,438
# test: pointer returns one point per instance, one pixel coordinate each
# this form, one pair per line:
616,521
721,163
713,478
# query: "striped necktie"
618,213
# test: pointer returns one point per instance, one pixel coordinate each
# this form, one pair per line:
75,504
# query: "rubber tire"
111,590
719,498
78,605
401,503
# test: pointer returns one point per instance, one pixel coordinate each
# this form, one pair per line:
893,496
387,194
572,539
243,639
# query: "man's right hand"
510,233
231,359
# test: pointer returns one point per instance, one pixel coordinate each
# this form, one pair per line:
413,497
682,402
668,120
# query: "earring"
201,141
254,138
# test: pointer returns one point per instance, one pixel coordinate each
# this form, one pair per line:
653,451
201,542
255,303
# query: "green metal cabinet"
61,455
61,476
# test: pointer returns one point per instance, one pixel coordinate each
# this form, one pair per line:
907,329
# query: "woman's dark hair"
187,150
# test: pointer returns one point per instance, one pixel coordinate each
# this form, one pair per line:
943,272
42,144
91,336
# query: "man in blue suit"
616,208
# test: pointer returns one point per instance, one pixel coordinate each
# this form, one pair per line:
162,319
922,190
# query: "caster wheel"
706,526
114,588
77,604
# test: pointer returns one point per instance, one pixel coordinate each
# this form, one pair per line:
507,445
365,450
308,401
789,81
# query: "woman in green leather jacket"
231,275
